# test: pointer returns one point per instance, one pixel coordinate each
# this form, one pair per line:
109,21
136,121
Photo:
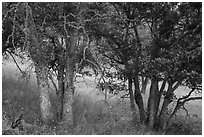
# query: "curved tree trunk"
163,117
43,87
163,113
139,101
35,51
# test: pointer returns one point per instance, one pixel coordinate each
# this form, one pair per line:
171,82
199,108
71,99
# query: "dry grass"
92,114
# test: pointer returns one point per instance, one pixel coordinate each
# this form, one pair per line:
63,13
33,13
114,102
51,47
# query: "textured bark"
153,103
132,104
68,116
69,93
137,95
139,101
163,113
159,96
60,92
45,105
163,117
35,51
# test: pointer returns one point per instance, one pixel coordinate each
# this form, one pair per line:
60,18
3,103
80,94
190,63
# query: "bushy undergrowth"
92,115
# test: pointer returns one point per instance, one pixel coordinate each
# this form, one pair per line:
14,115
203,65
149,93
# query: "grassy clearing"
92,114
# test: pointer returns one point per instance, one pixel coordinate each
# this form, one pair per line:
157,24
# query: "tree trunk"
163,113
132,104
35,50
139,101
161,90
60,92
153,103
43,87
68,116
144,84
69,92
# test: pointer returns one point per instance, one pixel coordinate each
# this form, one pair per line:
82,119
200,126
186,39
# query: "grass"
92,114
18,97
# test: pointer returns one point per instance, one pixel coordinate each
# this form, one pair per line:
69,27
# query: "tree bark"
159,96
132,104
139,100
35,51
68,116
153,103
43,87
144,84
69,93
163,113
60,92
163,117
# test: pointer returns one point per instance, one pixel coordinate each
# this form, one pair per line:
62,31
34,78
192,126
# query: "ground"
94,115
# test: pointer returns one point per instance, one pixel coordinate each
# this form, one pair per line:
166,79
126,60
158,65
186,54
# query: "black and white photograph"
101,68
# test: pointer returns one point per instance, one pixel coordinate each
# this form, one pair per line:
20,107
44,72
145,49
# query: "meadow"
93,114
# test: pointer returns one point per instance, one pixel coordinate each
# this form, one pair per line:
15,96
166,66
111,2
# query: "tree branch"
4,18
52,80
185,97
163,86
181,103
176,86
22,72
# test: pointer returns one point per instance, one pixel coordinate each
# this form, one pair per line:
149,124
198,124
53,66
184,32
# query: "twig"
122,97
44,20
65,29
185,97
4,18
187,113
12,33
23,73
52,80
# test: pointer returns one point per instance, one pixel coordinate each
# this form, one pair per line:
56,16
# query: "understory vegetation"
94,116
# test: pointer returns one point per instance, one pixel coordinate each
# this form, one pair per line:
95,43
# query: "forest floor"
94,114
